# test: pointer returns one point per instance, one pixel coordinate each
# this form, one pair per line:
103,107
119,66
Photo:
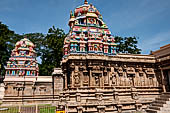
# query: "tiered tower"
88,33
23,60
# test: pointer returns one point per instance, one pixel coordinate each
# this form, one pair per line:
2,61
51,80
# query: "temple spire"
85,2
71,14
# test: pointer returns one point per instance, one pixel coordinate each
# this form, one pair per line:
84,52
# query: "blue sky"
147,19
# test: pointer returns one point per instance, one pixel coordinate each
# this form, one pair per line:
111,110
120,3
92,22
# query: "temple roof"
86,9
25,43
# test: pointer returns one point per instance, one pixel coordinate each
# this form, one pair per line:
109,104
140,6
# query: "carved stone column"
163,84
91,78
72,79
65,81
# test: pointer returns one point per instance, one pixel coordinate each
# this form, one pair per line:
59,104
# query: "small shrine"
88,33
23,60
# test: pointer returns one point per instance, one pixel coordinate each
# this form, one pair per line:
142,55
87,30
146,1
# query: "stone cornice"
118,57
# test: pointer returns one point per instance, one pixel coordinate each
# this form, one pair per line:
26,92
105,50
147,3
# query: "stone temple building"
96,79
93,78
22,83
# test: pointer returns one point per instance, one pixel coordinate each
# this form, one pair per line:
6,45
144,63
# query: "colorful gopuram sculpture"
23,60
88,33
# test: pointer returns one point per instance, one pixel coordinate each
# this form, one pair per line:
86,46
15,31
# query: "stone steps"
160,105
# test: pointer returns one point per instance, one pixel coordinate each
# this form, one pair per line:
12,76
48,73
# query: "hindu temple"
93,78
98,80
22,81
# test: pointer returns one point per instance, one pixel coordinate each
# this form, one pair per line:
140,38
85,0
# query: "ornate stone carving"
97,81
113,79
76,79
120,71
130,70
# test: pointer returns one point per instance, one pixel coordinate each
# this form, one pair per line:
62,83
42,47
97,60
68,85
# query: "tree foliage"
127,45
6,44
52,51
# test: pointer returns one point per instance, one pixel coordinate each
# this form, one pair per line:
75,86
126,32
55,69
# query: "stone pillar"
81,78
65,81
163,82
72,80
126,80
58,83
137,80
91,78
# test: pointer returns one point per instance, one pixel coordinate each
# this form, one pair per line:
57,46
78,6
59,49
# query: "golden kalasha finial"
85,2
71,14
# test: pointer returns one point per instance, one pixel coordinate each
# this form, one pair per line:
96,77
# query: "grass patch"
9,110
48,110
42,108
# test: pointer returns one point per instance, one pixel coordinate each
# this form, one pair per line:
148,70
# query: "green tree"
6,37
127,45
52,51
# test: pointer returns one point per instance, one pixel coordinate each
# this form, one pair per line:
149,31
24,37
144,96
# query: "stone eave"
117,58
28,79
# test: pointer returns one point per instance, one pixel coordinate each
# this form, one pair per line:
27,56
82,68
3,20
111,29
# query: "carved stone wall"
110,83
40,89
103,73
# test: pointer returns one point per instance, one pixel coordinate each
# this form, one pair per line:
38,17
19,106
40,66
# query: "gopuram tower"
88,33
23,60
96,79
